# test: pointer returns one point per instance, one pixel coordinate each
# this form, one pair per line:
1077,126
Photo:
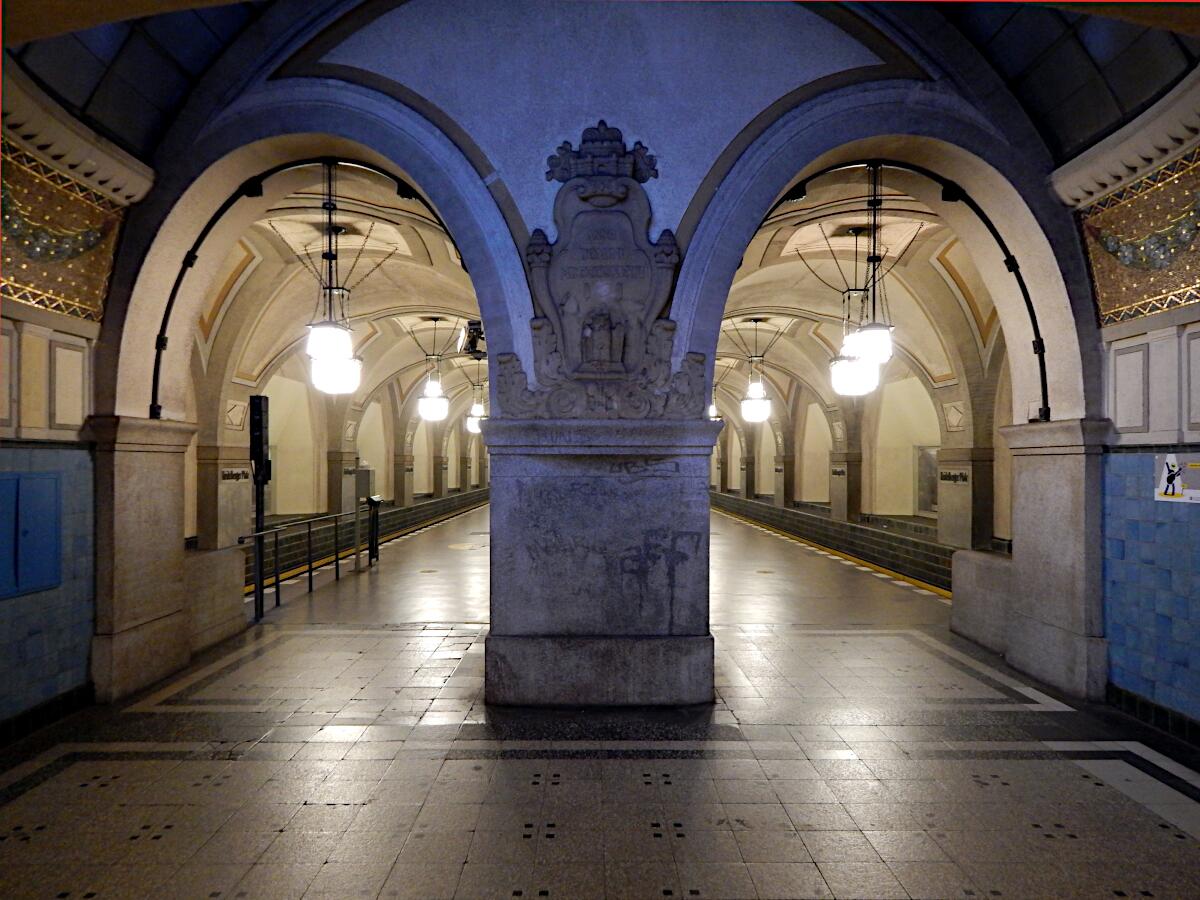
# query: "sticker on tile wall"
1178,477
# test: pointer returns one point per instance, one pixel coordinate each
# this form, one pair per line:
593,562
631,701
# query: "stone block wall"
1151,587
45,637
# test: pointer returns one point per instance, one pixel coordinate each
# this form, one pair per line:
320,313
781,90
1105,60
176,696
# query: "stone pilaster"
142,630
964,497
749,476
599,575
440,470
1051,622
464,474
483,468
845,485
341,466
225,501
402,479
785,480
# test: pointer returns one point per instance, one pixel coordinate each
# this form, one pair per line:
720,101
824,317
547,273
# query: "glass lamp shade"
712,412
336,376
852,376
434,406
871,342
329,340
433,409
473,416
755,409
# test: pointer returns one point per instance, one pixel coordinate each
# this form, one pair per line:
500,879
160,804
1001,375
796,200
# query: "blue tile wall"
1151,586
46,637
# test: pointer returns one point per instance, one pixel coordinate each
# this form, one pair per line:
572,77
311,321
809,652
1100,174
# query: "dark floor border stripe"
55,767
1154,714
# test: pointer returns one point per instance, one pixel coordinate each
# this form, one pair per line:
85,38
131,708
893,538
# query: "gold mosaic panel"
59,237
1142,243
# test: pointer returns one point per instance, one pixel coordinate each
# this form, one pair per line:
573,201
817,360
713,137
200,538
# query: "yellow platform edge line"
345,554
915,582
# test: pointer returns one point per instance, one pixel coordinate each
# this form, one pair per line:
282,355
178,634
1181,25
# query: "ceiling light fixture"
756,405
330,344
477,413
866,319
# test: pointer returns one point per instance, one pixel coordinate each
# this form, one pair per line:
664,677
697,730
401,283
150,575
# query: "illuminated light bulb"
336,376
852,376
871,342
329,340
434,405
755,405
473,416
712,412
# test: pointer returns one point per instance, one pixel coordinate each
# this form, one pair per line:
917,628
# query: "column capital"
600,437
1066,436
129,433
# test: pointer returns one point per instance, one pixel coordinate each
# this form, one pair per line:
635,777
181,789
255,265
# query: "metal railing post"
259,551
308,553
277,588
357,537
337,556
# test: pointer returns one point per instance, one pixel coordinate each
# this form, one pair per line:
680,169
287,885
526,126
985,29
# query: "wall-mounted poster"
1178,477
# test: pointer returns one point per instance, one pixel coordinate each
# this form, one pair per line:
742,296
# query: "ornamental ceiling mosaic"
58,238
1142,244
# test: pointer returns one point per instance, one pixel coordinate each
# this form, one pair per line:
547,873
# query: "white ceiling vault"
405,272
802,258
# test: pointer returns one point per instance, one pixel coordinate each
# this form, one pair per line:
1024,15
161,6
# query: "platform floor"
856,749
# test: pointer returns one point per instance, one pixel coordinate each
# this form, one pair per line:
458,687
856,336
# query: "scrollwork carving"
600,349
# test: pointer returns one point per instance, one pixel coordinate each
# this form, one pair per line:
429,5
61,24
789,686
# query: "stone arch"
250,137
942,133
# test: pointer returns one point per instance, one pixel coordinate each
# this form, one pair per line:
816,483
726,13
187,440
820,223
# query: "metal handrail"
372,508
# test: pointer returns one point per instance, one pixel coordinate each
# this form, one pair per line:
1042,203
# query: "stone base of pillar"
1043,607
139,655
599,575
142,628
625,670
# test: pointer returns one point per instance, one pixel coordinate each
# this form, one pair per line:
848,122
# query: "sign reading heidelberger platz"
1178,477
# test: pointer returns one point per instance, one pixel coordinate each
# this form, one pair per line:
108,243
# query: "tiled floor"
343,750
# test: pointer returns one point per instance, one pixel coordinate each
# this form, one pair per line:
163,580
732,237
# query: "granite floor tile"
788,881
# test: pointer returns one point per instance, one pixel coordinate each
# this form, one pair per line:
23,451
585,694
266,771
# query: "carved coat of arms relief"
600,349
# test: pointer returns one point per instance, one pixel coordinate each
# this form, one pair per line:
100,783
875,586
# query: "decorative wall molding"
1142,241
42,127
1167,130
1153,386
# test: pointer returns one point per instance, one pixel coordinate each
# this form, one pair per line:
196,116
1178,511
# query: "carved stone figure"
600,348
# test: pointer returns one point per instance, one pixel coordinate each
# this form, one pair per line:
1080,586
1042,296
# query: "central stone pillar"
599,576
600,461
